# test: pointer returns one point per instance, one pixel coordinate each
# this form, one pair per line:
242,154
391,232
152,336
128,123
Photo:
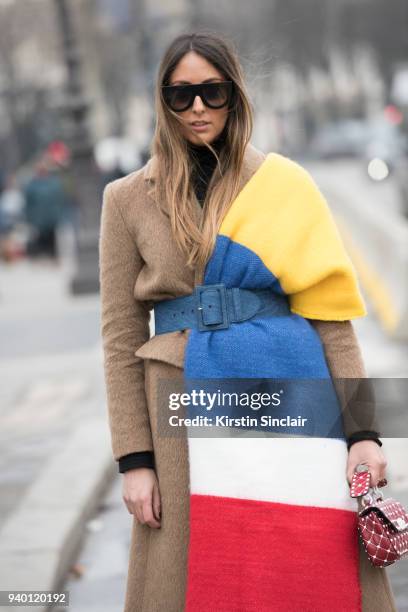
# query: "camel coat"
140,264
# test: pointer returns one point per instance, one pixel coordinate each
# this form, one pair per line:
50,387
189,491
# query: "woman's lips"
200,127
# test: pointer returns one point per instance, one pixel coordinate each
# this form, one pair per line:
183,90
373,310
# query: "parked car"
378,142
346,138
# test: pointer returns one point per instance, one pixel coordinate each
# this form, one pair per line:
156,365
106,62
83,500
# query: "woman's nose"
198,104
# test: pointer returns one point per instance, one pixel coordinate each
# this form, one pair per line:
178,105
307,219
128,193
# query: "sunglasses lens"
216,94
178,98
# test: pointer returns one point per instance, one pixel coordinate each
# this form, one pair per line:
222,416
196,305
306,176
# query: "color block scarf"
272,525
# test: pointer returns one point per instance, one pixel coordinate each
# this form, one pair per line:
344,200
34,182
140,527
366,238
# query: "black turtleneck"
204,163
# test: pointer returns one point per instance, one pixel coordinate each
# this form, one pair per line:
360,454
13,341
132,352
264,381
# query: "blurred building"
306,63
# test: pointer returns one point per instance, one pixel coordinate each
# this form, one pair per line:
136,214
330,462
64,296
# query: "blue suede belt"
212,307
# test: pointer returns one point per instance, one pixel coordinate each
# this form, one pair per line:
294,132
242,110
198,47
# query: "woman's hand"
142,496
369,453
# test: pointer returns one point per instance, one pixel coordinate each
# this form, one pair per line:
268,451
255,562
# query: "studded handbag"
382,523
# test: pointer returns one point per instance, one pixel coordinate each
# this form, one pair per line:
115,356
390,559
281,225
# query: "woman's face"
193,69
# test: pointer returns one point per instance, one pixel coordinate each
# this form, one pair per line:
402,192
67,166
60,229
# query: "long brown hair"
170,148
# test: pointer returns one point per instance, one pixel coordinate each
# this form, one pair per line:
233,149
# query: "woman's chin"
205,137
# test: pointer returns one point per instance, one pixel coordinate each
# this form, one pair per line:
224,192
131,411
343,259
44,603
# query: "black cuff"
363,435
136,460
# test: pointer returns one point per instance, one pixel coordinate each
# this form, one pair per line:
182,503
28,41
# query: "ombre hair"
174,169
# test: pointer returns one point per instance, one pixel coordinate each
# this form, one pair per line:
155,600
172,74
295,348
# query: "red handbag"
382,523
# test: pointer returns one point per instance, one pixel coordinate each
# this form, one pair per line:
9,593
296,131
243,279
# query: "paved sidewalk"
51,377
55,457
99,581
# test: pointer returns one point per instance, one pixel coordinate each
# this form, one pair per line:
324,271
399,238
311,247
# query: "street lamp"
85,177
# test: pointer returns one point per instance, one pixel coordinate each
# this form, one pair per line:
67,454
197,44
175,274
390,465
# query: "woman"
210,209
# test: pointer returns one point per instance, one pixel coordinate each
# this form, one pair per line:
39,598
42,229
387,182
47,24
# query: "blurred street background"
329,84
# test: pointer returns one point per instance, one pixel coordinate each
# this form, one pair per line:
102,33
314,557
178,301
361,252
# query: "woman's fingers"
138,512
140,493
156,503
381,471
143,511
149,518
368,453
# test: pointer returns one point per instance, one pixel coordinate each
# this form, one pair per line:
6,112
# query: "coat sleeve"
124,328
353,387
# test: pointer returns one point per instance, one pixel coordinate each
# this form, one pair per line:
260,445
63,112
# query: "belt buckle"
221,293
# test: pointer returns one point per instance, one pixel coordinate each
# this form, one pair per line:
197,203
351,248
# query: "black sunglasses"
214,95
